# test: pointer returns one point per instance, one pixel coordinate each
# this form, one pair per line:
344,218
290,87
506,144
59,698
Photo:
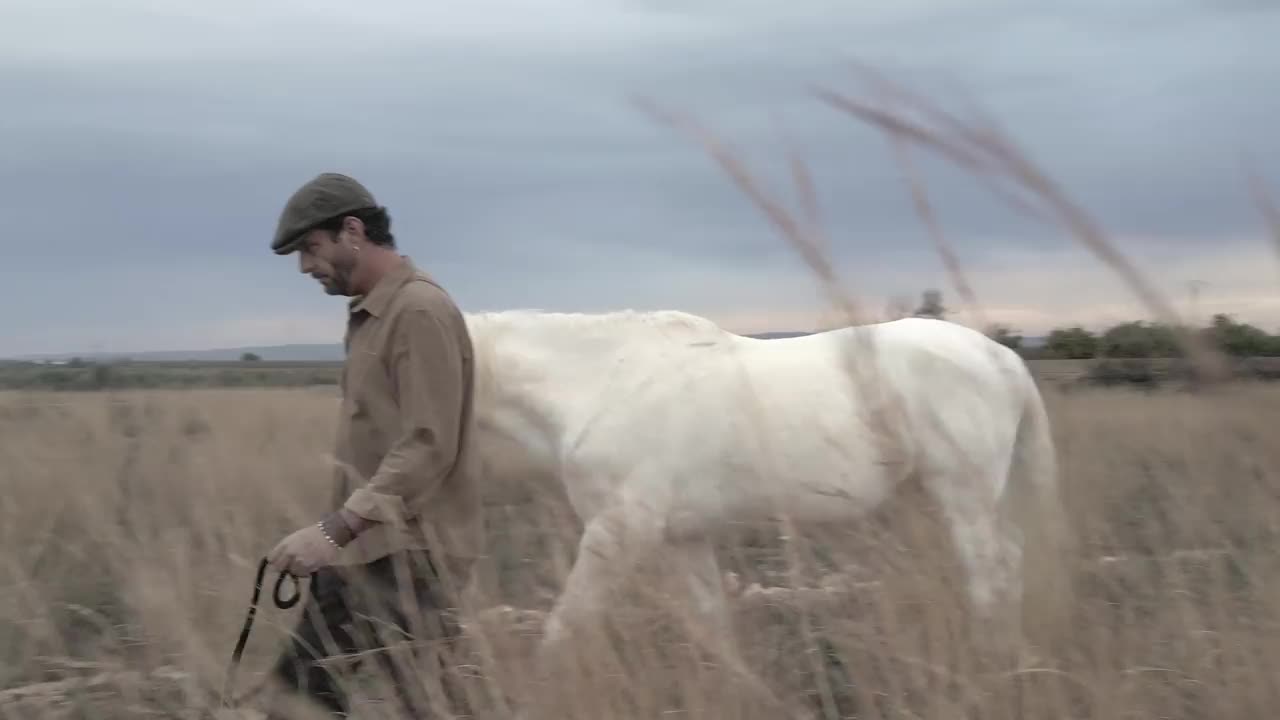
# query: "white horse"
664,428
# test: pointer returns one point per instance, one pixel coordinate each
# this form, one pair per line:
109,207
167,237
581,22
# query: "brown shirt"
402,445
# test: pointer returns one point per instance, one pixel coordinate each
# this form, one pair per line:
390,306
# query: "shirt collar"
376,301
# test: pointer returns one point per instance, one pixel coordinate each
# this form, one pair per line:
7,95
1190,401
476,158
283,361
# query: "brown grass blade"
986,150
950,260
808,196
1266,205
959,155
805,239
884,411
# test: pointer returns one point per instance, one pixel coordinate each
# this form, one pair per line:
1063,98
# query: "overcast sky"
146,148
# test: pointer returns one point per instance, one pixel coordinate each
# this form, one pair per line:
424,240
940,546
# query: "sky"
147,147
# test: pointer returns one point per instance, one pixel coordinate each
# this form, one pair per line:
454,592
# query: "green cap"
324,197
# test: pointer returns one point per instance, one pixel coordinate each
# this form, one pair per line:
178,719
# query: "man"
405,518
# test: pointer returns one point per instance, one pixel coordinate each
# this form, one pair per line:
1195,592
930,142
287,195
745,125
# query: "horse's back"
911,355
792,391
928,383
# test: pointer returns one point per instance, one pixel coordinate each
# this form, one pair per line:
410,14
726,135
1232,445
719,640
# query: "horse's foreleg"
693,573
611,544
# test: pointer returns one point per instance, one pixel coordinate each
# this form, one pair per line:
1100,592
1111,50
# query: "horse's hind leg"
695,575
989,552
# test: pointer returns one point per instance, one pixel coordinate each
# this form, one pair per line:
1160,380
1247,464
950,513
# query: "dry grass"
131,524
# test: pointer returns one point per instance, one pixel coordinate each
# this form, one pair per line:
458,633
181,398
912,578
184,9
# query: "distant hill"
315,352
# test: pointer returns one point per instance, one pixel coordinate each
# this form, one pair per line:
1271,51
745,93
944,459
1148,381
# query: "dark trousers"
390,611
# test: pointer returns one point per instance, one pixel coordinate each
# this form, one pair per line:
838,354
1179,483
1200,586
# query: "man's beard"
340,280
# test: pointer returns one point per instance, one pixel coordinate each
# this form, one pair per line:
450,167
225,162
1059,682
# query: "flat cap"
322,198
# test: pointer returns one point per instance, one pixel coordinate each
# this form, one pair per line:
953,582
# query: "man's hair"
377,225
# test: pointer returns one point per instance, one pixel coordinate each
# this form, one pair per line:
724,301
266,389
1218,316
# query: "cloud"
149,147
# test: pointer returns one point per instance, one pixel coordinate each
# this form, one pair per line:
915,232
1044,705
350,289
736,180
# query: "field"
132,521
207,375
164,375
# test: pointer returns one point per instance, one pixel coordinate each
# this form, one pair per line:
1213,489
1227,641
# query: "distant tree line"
1139,339
1134,339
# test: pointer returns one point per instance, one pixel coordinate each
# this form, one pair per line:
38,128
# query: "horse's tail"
1036,506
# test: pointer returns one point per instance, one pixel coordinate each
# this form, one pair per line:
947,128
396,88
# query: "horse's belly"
824,497
813,486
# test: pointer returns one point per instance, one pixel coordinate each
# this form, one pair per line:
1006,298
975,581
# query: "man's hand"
303,552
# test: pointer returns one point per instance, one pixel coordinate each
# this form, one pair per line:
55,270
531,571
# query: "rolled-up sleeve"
427,371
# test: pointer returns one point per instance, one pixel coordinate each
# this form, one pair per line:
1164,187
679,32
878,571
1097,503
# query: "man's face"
330,259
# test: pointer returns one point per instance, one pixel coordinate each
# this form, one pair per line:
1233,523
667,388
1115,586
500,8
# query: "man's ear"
354,226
